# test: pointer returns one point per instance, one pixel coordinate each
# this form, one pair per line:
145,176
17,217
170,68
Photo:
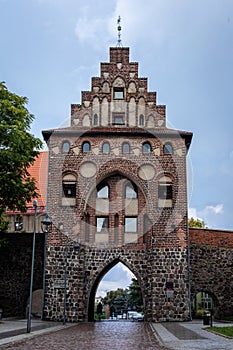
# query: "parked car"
136,316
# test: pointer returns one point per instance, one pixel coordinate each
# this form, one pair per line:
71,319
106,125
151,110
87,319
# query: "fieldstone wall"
15,271
162,275
161,272
211,267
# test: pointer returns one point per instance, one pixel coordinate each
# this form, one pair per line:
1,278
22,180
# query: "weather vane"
119,44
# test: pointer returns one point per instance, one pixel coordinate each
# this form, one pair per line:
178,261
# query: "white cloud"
89,29
217,209
100,31
192,213
208,214
129,273
94,29
106,286
118,277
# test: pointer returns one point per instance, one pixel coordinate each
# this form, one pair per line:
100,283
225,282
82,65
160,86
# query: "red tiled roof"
39,171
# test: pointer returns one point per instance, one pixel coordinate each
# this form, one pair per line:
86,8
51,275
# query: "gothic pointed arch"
132,87
121,167
105,87
100,273
119,82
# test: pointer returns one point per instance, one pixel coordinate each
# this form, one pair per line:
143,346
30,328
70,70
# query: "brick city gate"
117,186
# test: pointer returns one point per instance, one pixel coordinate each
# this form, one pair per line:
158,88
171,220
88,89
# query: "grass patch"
226,331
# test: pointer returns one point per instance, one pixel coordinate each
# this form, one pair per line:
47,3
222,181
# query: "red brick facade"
217,238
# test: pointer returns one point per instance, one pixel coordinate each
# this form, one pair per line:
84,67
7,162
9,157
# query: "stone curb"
216,333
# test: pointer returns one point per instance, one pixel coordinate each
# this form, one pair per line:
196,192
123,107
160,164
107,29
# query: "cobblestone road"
94,336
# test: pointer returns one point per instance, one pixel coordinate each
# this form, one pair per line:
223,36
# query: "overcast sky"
50,49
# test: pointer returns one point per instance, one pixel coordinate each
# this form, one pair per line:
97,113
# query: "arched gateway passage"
204,300
106,269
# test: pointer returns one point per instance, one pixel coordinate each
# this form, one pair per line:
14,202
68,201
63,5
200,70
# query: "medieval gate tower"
117,187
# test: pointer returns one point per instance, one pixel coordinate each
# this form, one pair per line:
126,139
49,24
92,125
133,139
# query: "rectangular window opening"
118,93
165,191
102,224
69,190
131,224
118,120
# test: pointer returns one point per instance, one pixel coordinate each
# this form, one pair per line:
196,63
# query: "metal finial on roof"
119,44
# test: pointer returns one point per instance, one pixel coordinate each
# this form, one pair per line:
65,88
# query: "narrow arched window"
167,148
146,227
130,191
141,120
65,147
116,228
146,147
125,147
103,191
95,120
87,228
106,148
86,146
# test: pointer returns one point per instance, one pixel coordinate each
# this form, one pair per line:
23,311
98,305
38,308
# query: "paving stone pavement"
191,336
94,336
111,335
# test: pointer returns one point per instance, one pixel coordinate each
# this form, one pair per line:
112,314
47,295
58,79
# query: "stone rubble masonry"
15,271
211,257
152,268
211,267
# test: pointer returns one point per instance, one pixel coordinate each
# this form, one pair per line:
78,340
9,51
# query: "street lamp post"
46,224
29,309
45,228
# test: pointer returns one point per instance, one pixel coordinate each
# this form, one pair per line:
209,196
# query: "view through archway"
118,290
203,302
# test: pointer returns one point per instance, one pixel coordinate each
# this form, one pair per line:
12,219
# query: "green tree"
18,150
135,295
117,300
196,223
121,301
